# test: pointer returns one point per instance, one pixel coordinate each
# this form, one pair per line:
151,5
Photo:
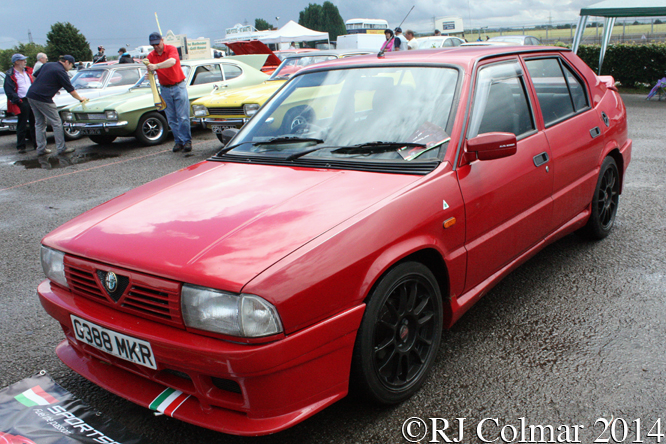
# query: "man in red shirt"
165,62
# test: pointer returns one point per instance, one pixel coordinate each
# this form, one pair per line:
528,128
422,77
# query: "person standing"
388,44
52,76
400,43
412,43
17,82
100,56
41,59
164,61
437,32
124,57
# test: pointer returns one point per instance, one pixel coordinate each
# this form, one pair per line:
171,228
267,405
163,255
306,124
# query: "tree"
262,25
324,17
64,39
30,50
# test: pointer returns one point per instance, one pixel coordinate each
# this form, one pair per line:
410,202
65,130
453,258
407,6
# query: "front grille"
227,111
146,296
89,116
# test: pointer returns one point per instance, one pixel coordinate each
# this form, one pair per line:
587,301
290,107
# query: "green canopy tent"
610,10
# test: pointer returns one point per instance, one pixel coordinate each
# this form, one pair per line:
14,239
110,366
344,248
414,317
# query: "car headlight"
251,109
111,115
199,110
67,116
53,264
231,314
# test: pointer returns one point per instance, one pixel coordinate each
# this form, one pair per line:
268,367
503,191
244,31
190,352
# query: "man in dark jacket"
52,76
124,56
17,82
100,57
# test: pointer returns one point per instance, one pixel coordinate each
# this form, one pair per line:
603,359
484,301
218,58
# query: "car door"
574,132
205,78
508,200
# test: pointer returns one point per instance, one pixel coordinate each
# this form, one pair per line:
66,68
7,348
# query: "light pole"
277,20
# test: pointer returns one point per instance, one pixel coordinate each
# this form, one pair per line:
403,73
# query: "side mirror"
490,146
229,134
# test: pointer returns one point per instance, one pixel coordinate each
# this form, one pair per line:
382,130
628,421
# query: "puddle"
62,161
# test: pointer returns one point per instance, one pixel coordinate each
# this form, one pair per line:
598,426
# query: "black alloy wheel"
397,342
152,129
604,203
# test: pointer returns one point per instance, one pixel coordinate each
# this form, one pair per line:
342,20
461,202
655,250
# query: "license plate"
91,132
116,344
12,127
217,129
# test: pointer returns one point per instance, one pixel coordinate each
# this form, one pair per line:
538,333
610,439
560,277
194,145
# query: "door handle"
540,159
594,132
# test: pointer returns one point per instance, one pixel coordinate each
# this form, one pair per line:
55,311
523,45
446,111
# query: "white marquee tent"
293,32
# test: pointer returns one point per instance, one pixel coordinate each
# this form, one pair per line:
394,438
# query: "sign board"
449,25
177,40
198,49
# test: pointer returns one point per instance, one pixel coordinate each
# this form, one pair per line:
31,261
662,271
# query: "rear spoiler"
609,81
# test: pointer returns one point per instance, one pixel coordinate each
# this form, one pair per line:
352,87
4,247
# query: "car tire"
102,140
604,202
220,138
400,333
72,134
296,117
152,129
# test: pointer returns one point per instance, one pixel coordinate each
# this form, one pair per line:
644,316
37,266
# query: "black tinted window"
551,88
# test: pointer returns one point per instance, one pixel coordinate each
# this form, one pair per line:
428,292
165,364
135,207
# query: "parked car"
517,39
92,83
438,42
3,102
134,113
233,108
249,289
284,53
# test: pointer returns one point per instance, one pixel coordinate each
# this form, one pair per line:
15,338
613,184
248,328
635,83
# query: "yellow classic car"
231,109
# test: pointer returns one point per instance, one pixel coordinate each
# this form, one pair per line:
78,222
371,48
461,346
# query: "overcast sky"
122,22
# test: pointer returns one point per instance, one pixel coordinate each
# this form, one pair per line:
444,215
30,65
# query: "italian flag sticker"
168,401
35,396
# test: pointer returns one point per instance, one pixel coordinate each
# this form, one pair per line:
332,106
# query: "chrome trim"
105,125
225,121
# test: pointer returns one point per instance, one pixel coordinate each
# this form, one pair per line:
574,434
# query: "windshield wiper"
226,149
373,146
288,139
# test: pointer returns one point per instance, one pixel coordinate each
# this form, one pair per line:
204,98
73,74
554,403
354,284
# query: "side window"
124,77
557,89
500,102
448,42
231,71
577,89
207,74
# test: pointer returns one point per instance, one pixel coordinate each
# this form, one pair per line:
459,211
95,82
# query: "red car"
248,292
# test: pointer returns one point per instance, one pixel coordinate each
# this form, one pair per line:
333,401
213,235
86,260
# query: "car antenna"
381,53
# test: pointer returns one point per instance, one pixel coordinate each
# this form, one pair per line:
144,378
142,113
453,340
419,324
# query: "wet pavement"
571,339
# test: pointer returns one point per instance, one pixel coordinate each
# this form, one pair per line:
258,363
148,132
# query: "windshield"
144,83
294,64
88,79
388,113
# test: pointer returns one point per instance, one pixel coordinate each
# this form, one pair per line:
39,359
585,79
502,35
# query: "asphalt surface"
574,335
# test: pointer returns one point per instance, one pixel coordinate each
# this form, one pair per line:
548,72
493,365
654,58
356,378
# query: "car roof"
326,52
464,56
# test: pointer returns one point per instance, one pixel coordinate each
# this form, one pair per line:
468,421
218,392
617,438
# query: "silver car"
91,83
517,39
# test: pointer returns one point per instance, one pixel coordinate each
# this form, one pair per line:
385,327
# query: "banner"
36,410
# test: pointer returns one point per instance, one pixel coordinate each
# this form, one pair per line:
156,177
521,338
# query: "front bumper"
9,123
207,122
234,388
106,126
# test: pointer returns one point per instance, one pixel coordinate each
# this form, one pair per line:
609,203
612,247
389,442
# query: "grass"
568,33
